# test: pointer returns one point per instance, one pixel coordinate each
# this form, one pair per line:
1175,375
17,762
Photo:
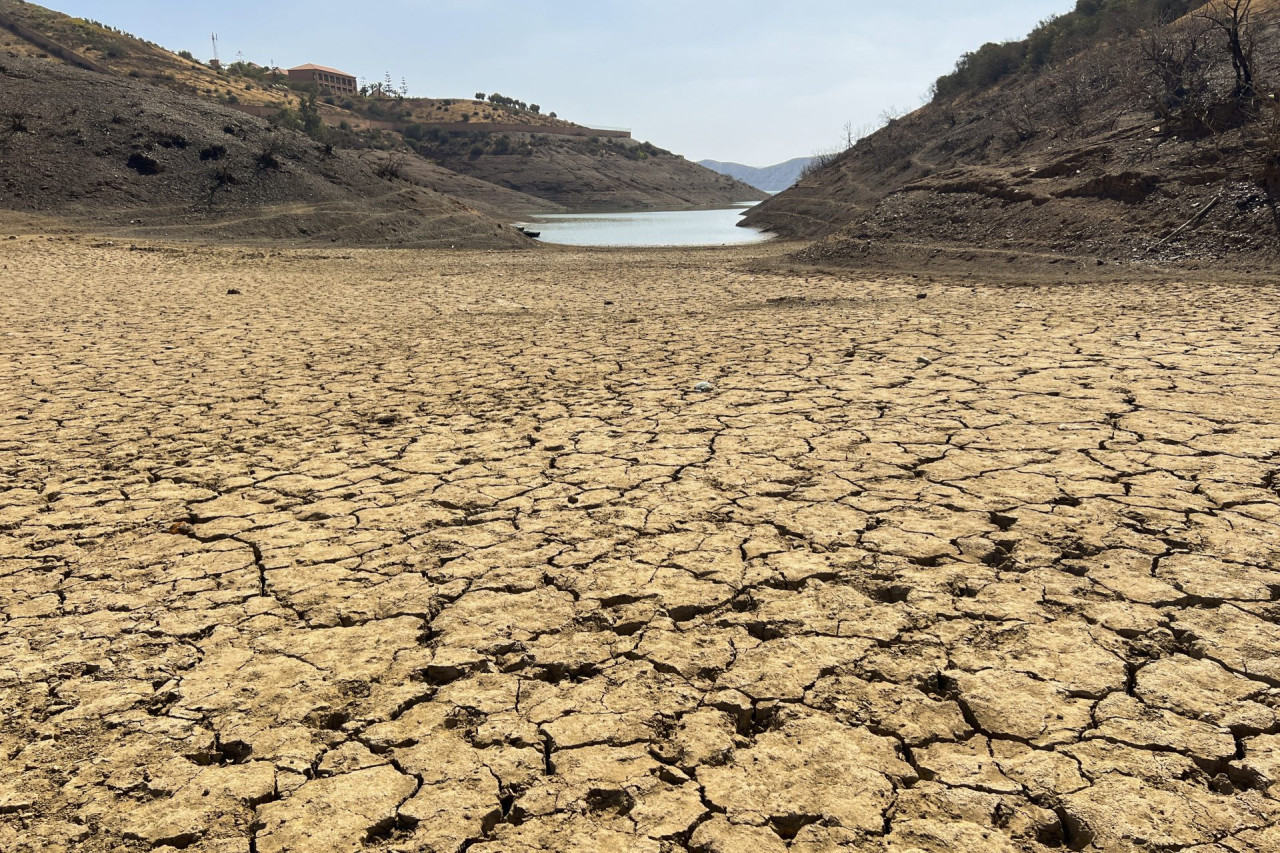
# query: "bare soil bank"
1073,160
111,153
600,174
508,174
411,550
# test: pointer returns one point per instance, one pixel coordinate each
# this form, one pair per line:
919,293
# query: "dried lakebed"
431,552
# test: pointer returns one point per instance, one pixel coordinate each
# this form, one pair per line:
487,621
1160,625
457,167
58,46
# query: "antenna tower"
217,61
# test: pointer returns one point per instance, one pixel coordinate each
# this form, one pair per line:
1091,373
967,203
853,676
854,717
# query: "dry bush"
821,160
1201,71
268,156
1020,119
1083,90
1179,67
1233,22
1268,147
392,167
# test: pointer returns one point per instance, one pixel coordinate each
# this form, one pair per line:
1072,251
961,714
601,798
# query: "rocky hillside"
1136,141
120,155
128,56
585,173
772,179
509,175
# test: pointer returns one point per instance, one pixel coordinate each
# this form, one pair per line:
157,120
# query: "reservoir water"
717,227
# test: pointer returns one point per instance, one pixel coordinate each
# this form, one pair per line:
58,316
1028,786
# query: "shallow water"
717,227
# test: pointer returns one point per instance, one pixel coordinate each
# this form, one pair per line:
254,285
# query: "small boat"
534,234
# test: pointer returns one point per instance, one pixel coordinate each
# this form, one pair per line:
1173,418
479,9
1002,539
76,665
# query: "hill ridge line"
43,42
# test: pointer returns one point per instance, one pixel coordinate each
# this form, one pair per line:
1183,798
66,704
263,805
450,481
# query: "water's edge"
689,227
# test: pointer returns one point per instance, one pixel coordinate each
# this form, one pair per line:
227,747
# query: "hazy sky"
744,80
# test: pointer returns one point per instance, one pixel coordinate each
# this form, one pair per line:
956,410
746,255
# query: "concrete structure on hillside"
331,79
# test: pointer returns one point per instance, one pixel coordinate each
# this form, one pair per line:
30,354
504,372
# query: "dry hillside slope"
127,55
508,174
117,154
1075,159
589,173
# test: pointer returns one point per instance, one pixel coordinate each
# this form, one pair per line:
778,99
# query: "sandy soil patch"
431,551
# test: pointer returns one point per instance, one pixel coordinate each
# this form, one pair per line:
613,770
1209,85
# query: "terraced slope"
574,172
118,155
585,174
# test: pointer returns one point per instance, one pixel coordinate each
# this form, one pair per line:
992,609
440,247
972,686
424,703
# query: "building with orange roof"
331,79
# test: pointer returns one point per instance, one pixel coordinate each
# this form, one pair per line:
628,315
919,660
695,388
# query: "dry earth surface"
415,551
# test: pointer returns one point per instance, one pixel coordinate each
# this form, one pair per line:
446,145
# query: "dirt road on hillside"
427,551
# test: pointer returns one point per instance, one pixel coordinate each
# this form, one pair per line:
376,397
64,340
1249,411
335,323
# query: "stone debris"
392,565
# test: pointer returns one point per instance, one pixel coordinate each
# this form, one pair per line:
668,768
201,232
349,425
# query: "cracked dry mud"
432,552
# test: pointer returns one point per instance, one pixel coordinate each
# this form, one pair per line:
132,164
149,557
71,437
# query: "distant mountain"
772,179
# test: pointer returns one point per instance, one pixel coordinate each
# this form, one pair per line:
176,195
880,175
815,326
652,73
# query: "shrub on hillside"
1056,39
393,166
144,164
268,156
